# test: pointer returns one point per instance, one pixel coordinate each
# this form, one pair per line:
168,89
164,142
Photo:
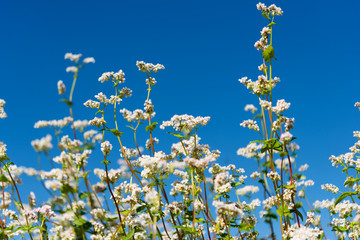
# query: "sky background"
205,46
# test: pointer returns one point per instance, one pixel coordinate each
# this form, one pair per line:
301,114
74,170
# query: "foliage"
184,194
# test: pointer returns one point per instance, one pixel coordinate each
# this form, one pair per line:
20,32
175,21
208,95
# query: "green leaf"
272,143
351,181
283,211
235,184
37,227
67,102
299,176
87,146
79,222
270,24
217,196
129,235
7,165
187,229
151,127
314,210
283,154
139,209
20,228
116,132
84,195
343,196
266,164
4,158
269,53
176,135
289,186
266,15
85,175
298,213
261,180
244,227
270,215
298,205
106,162
339,229
347,168
257,116
3,178
66,188
200,220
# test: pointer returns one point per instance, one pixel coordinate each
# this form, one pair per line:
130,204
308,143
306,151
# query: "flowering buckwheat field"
109,177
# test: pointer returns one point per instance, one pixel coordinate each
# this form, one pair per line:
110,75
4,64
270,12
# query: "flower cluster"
2,112
182,192
185,122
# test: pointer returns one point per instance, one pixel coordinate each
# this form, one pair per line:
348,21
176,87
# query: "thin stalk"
70,100
21,204
162,219
136,144
307,200
153,150
3,195
113,196
193,193
207,208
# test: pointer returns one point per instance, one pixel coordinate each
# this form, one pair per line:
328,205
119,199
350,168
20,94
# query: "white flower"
185,122
252,150
9,213
222,182
303,168
53,123
281,106
255,175
72,69
286,137
2,150
43,144
330,187
2,112
274,176
92,104
251,108
251,124
247,189
105,76
61,87
228,209
89,60
73,57
145,67
120,76
2,103
265,104
98,122
302,233
106,147
152,197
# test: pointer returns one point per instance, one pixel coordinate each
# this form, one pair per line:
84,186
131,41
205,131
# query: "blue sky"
206,47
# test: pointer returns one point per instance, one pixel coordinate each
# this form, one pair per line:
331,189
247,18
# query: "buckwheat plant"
283,186
181,193
345,209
